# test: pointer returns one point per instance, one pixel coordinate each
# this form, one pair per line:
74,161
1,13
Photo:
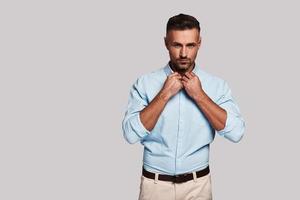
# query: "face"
183,46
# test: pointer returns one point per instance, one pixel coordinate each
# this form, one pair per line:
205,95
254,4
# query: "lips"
183,60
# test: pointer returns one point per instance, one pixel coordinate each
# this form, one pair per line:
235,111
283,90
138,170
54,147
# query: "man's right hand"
172,85
150,114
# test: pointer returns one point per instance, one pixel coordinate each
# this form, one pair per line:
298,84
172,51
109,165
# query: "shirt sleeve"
235,124
133,129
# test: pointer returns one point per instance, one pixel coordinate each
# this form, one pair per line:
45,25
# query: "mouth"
183,62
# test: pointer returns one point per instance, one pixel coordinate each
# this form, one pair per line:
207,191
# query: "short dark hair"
182,22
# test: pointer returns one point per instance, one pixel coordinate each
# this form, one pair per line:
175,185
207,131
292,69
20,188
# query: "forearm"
150,114
213,112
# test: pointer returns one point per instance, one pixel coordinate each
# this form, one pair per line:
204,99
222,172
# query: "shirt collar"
168,70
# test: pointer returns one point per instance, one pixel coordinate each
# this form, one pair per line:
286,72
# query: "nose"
183,52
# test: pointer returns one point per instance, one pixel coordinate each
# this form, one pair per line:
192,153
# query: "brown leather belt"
180,178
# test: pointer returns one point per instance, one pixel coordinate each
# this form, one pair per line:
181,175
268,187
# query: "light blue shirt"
179,142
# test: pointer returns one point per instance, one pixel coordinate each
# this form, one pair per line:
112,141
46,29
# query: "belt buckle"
176,177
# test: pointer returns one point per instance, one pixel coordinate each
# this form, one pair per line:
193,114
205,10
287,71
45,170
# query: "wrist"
201,97
164,95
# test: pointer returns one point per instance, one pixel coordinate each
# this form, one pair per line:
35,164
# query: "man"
175,112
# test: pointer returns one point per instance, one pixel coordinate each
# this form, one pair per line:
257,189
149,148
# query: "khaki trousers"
196,189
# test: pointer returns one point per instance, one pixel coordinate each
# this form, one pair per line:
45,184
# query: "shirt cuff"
141,131
229,125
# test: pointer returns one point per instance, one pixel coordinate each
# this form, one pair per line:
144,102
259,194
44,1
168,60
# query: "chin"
180,67
183,67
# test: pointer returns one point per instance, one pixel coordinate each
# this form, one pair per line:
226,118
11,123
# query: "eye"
176,46
191,46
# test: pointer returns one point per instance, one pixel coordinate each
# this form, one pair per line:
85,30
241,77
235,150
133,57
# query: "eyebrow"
191,43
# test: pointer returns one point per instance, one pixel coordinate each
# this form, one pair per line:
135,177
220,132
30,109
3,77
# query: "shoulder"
211,79
156,75
213,85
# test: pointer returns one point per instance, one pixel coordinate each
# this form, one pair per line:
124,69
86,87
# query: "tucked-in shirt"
179,141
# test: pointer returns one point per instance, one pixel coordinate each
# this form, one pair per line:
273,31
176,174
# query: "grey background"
66,70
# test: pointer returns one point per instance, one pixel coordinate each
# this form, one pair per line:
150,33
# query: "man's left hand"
192,85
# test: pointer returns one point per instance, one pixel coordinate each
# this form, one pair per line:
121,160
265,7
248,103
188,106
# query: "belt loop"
156,178
195,176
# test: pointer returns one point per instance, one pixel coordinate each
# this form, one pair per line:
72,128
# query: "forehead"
183,36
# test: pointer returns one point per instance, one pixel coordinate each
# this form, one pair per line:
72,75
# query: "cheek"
193,54
174,53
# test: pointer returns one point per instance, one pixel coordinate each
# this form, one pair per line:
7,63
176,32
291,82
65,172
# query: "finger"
173,74
193,74
188,75
177,76
184,83
180,78
185,78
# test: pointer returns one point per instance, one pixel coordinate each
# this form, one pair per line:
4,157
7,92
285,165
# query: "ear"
166,42
199,42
